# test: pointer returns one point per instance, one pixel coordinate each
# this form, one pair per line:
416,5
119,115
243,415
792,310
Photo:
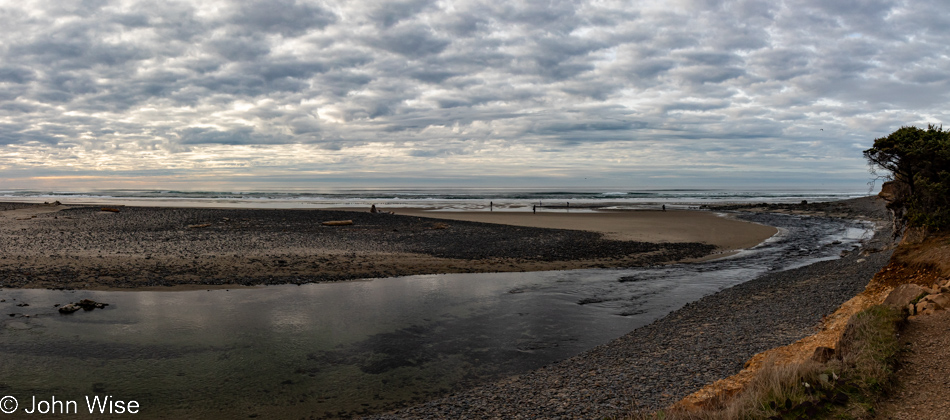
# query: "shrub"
918,161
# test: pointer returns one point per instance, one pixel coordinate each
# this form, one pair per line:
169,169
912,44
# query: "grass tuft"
843,388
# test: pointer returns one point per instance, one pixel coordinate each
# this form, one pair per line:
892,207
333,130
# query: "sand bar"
148,247
646,226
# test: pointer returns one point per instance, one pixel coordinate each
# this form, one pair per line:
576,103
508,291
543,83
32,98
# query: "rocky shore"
131,247
656,365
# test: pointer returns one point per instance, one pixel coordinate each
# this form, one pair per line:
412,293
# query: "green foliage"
918,161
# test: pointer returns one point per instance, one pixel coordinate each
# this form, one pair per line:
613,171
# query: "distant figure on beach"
373,209
491,206
534,209
664,207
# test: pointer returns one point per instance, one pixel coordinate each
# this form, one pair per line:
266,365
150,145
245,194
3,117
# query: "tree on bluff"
917,163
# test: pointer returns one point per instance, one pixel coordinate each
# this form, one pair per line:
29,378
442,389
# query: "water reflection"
338,349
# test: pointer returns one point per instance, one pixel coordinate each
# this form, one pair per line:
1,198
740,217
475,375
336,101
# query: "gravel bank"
140,247
656,365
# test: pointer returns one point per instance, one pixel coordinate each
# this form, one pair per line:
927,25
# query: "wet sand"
151,247
635,225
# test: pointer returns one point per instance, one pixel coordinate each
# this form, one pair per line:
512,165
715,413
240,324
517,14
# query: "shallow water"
356,347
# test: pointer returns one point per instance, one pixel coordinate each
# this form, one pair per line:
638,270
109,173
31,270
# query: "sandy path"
923,377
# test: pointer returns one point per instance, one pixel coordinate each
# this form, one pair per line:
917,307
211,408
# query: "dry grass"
841,388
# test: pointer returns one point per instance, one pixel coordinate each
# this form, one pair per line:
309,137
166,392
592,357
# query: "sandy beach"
640,225
150,247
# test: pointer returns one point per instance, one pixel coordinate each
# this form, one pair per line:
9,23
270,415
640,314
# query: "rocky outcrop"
893,193
936,298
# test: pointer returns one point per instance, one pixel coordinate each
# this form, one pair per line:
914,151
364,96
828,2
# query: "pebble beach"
143,248
654,366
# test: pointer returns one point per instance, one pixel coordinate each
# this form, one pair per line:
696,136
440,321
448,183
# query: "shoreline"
159,248
657,365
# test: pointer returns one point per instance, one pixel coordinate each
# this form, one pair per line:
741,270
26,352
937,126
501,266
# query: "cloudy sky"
291,94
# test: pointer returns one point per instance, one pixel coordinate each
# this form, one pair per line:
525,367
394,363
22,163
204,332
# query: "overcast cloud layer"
284,93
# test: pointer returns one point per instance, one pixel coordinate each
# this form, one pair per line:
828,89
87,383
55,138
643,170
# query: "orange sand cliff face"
917,260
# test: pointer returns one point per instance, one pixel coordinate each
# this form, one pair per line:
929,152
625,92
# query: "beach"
656,365
630,225
165,249
60,246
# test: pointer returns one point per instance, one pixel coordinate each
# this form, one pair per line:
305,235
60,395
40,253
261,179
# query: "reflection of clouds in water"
340,312
346,311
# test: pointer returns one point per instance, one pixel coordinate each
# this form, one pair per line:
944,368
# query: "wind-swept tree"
917,161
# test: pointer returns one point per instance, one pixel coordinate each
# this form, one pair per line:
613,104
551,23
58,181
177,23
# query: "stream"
343,349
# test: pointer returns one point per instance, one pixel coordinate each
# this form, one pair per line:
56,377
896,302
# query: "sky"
284,94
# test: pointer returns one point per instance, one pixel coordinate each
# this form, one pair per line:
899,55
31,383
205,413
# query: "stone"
904,294
89,304
924,308
940,301
69,308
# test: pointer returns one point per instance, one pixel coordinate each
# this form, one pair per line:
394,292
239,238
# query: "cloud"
410,41
475,86
389,13
286,17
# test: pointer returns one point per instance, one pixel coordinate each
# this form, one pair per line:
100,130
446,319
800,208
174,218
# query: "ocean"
447,199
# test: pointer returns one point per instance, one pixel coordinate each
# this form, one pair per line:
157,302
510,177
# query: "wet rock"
69,308
89,304
85,304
